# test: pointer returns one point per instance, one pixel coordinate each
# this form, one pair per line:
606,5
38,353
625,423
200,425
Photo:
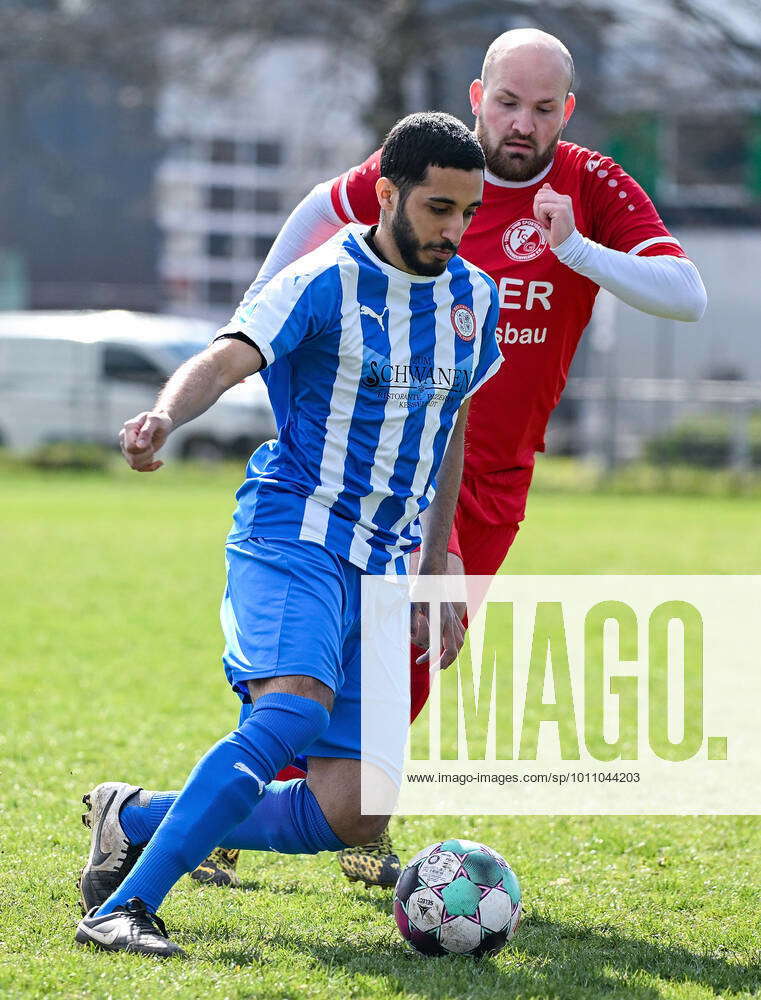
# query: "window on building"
259,200
219,245
267,200
124,364
268,154
221,199
244,199
259,246
264,153
222,293
222,151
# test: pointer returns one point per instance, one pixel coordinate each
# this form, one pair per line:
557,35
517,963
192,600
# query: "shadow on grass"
282,889
546,960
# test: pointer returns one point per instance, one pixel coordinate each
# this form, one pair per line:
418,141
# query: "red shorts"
488,515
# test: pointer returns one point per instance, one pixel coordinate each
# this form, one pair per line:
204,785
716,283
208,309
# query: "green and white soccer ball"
457,897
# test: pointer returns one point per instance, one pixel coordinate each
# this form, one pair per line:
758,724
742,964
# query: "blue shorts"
293,607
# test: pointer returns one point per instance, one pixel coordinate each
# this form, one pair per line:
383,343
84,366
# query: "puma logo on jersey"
367,311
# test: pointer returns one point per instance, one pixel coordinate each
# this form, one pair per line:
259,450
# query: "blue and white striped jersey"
366,369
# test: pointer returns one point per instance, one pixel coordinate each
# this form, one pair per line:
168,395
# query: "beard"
409,246
511,166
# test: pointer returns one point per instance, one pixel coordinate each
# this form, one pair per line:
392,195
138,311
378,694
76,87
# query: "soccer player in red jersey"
558,222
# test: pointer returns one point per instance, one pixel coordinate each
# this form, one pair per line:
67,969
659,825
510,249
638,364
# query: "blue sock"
245,711
140,816
221,791
288,820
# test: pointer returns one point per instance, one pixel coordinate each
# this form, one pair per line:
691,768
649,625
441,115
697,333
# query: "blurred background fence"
151,152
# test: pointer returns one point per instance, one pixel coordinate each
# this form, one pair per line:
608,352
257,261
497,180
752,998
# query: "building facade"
243,146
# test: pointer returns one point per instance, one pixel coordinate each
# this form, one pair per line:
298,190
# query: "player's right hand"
141,438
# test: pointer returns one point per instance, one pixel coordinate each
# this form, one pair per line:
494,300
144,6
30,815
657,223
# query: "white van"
77,376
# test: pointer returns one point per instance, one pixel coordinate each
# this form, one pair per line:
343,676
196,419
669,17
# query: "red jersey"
544,305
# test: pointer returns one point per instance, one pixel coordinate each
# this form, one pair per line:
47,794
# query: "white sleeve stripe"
344,196
492,370
481,306
263,317
651,243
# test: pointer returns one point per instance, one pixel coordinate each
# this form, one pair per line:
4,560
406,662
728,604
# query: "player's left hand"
452,633
554,213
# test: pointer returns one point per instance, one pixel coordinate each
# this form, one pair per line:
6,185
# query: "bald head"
546,51
523,102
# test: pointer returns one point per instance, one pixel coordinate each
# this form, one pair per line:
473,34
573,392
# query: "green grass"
110,669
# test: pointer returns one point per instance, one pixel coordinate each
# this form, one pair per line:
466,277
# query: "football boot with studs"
219,869
112,855
127,928
375,863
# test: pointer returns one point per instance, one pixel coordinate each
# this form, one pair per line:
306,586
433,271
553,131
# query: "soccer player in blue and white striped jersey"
370,347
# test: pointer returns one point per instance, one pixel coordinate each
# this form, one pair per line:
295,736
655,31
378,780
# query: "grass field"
110,669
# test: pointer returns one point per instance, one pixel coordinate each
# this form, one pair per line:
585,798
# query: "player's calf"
369,855
336,783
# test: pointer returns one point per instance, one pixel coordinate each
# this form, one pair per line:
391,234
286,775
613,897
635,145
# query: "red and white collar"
491,178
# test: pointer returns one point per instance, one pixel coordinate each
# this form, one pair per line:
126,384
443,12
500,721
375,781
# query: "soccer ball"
457,897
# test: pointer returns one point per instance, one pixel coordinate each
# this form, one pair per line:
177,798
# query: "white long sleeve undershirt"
310,224
662,286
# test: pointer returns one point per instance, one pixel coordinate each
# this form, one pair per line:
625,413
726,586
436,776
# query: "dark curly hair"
427,139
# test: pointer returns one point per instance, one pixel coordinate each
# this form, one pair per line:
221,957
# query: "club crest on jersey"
464,322
523,240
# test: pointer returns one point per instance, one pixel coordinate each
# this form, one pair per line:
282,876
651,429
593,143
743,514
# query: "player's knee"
302,685
350,826
363,829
